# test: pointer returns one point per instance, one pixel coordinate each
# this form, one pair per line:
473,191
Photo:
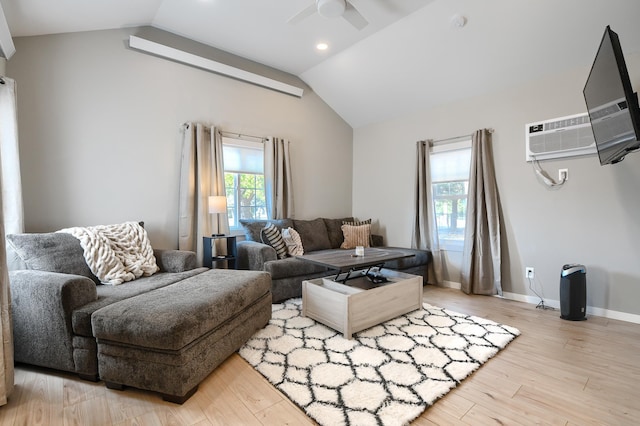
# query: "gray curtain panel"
201,175
481,258
277,176
425,230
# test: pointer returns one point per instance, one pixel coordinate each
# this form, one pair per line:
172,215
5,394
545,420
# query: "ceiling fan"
332,9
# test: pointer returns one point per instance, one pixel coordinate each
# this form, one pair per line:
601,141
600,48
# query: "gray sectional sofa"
318,234
163,333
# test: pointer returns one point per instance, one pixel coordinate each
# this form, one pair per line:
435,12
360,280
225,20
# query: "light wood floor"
557,372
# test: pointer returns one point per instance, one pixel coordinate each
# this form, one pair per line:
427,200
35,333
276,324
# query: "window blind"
242,156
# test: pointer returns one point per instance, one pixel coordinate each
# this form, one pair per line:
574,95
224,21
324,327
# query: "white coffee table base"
349,309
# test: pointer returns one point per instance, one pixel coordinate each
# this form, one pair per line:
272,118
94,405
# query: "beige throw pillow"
292,240
356,236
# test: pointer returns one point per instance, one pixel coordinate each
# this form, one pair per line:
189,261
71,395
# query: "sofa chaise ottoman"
170,339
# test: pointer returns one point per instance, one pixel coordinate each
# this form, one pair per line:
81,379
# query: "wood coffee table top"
346,260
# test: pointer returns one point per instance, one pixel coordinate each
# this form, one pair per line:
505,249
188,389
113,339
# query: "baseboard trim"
599,312
534,300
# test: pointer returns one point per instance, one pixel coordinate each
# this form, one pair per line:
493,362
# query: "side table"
213,259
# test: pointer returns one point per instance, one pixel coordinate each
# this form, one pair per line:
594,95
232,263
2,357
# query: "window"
450,182
244,180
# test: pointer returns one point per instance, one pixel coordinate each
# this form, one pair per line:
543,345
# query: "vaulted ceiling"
412,55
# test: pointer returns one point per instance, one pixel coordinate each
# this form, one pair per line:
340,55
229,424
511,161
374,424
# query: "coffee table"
360,304
345,261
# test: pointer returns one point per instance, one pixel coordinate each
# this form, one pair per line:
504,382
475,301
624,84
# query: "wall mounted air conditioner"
568,136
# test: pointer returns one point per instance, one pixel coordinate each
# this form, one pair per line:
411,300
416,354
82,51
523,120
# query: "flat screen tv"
612,104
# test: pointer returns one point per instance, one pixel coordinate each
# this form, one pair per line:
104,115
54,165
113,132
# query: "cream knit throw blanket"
116,253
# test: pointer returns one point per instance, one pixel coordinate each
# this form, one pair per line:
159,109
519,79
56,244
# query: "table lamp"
217,206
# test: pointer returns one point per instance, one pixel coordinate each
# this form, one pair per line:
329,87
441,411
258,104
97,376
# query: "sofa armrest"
252,255
42,303
175,260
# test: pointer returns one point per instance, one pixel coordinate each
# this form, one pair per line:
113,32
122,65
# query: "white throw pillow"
292,240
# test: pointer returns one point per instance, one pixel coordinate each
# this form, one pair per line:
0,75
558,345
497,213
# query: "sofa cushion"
313,234
419,258
108,294
273,237
334,230
172,317
253,228
292,267
52,252
356,236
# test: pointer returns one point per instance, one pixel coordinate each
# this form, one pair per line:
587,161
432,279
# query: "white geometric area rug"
386,375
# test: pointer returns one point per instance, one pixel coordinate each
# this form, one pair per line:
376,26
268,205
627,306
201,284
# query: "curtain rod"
453,139
241,135
229,134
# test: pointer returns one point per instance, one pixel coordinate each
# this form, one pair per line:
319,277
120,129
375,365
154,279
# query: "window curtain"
12,184
11,221
277,176
481,257
425,231
201,175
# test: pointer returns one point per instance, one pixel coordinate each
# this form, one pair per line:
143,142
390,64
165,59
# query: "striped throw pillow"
357,222
274,239
356,236
360,223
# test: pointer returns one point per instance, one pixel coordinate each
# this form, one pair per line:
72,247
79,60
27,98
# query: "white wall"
99,133
594,219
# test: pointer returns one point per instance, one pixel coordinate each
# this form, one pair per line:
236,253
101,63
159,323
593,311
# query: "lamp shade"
217,204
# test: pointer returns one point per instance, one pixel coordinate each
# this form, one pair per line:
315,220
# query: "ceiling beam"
7,49
177,55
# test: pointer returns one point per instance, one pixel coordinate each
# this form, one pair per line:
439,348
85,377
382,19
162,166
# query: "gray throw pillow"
313,234
53,252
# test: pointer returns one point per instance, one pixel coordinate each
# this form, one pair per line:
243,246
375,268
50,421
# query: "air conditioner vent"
560,137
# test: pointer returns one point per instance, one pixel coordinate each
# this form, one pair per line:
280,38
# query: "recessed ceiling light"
458,21
322,46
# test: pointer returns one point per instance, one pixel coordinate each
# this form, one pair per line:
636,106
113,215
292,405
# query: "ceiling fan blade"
304,13
354,17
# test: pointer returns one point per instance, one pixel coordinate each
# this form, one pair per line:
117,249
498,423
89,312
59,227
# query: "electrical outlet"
529,273
563,175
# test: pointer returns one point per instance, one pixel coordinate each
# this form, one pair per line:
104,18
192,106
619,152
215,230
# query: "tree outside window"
245,197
